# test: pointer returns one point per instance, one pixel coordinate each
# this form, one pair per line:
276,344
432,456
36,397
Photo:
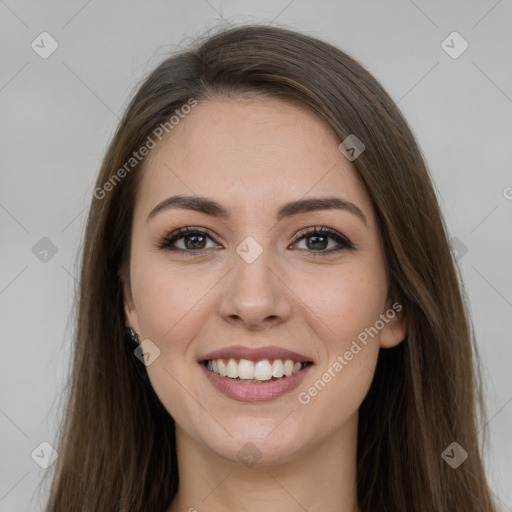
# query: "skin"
252,156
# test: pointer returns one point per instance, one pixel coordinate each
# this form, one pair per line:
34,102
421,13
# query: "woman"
269,312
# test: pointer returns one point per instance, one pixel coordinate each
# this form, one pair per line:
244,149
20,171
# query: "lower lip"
254,392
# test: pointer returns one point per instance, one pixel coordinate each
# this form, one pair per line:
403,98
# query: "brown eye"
187,240
323,240
194,242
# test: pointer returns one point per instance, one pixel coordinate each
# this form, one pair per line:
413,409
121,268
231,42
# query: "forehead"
248,153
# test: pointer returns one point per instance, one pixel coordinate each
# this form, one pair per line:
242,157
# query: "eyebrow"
211,207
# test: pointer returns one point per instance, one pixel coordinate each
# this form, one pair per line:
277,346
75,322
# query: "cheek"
339,388
169,300
346,308
346,301
171,309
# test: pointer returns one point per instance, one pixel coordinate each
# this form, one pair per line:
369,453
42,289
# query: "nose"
255,294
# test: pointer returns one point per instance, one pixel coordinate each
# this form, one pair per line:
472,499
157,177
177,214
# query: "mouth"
255,372
250,374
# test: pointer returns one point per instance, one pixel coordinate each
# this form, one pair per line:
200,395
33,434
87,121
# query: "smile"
255,372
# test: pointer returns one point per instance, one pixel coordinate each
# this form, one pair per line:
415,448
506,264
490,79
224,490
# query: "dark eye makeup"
194,241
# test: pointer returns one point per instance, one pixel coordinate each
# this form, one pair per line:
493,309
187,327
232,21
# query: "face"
254,281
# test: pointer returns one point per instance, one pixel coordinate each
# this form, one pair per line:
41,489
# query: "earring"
133,338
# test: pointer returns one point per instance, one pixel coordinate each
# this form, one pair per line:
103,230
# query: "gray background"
59,113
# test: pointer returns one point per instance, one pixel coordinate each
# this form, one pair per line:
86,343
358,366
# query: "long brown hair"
117,441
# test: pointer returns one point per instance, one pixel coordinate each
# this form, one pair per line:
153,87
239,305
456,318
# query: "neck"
321,477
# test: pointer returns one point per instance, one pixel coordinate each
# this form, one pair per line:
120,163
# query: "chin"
273,445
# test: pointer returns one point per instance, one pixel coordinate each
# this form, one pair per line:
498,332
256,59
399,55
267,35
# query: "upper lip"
255,354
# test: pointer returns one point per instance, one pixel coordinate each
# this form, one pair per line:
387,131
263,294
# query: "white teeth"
247,370
263,370
223,371
277,368
288,367
232,369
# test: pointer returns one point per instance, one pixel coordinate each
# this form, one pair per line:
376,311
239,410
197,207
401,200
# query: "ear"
130,313
395,324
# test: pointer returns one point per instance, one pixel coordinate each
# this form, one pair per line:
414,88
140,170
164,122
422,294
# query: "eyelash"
344,243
